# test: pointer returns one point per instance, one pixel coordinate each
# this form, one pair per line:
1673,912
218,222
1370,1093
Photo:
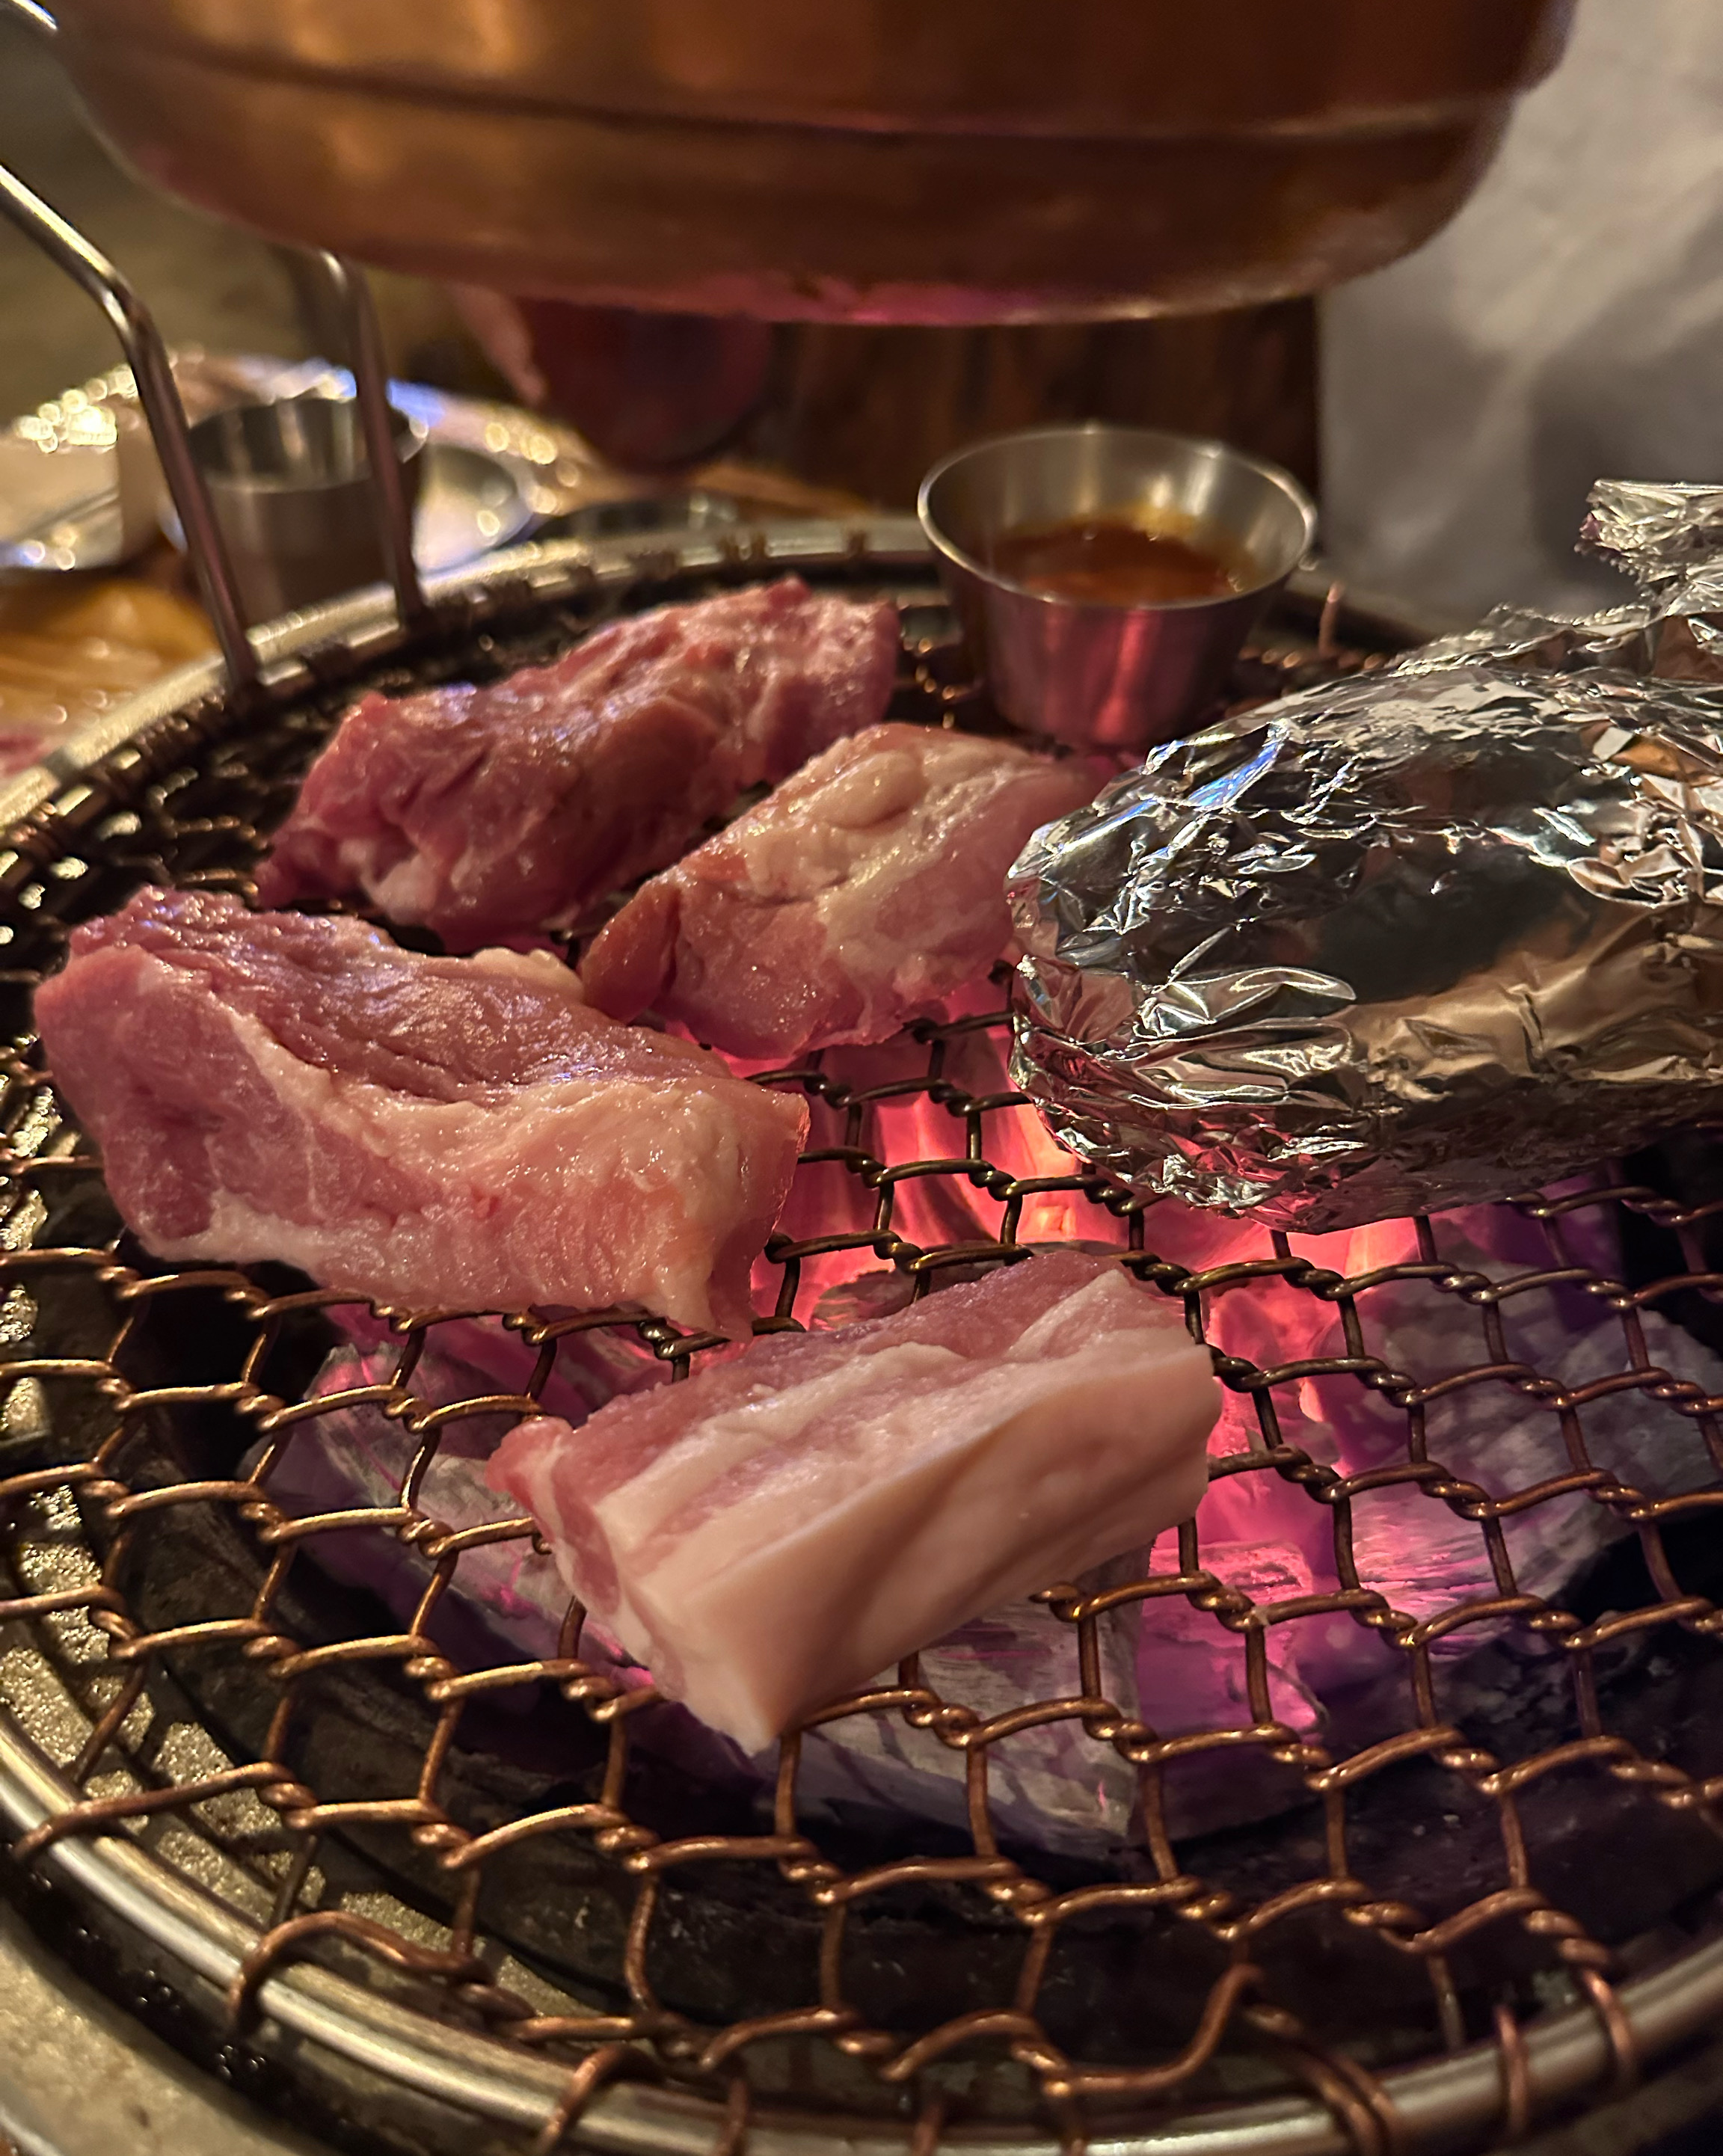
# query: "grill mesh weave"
166,1641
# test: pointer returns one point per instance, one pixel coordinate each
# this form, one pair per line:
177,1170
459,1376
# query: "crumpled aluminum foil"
1410,941
1668,538
1662,533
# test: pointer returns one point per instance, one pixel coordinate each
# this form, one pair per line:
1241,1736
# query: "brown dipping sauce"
1107,561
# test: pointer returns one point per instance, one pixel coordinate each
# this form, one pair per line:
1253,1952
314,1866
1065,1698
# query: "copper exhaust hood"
885,160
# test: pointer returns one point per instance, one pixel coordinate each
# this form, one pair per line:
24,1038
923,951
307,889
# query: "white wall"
1568,325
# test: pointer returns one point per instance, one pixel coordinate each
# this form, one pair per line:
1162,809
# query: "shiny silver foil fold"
1408,941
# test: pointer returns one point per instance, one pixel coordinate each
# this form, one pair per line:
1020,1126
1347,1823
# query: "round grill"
447,1900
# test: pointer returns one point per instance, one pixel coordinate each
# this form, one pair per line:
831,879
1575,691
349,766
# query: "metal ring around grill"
128,1891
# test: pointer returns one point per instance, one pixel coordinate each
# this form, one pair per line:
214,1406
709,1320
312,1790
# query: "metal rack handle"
159,395
370,391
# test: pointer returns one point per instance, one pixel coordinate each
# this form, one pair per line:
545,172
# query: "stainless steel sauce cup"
1097,676
289,482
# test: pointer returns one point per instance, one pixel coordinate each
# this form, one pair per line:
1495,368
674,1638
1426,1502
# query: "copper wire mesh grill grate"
330,1774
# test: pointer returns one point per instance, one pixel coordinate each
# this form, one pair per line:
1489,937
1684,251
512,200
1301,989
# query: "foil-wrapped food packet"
1413,940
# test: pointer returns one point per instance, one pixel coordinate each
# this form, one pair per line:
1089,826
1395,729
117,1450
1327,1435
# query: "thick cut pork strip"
486,813
781,1528
860,894
430,1131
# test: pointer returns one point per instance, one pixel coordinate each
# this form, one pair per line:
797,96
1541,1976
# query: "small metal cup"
290,484
1099,677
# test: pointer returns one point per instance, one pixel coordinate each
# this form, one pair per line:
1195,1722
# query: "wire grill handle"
147,356
159,395
370,389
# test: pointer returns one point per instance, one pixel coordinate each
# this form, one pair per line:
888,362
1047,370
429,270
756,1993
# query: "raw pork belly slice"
781,1528
496,811
431,1132
862,893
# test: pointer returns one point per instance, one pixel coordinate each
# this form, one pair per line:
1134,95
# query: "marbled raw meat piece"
862,893
505,1598
432,1132
780,1529
493,812
1165,1659
1051,1785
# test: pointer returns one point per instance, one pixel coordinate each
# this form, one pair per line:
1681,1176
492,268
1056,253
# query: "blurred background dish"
73,648
79,485
81,488
469,502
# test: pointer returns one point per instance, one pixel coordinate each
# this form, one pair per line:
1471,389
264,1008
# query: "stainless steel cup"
290,484
1111,677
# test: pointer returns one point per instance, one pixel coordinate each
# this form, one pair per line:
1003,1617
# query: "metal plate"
492,471
468,505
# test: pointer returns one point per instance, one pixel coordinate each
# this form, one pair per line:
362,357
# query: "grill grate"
353,1790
